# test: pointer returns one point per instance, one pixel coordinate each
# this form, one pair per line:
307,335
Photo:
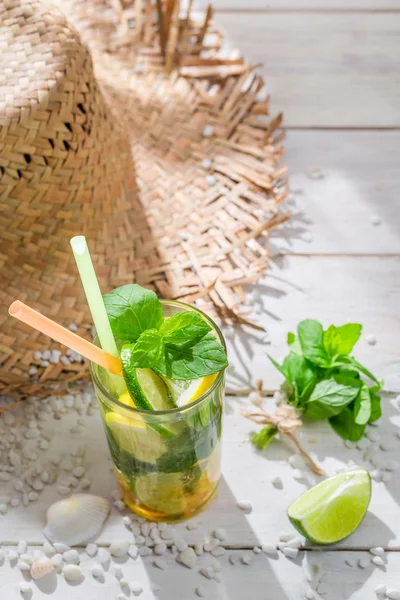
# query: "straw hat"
206,156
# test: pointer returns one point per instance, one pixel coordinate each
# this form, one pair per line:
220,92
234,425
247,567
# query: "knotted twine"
286,420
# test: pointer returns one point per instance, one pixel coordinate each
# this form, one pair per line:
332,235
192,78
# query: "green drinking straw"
93,294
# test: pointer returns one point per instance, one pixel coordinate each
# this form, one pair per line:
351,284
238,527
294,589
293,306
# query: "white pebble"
207,572
386,477
61,548
136,588
210,544
220,534
246,559
208,131
206,163
270,550
257,550
119,549
160,548
371,339
290,552
350,562
25,588
375,220
22,546
373,435
133,551
378,561
198,548
71,556
15,501
73,327
188,558
393,593
181,544
277,483
127,521
363,444
145,551
57,560
245,506
377,551
322,588
63,490
103,556
234,558
23,566
296,542
85,483
380,589
286,536
210,180
391,465
296,461
12,556
98,573
350,445
119,505
73,573
67,464
26,558
78,472
200,591
310,595
4,476
376,475
363,563
160,563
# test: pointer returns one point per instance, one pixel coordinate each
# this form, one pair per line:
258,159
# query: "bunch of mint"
325,382
179,347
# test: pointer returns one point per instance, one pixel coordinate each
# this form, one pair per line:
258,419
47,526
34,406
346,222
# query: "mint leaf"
311,337
352,362
148,352
131,310
341,340
263,437
376,411
184,328
362,406
330,396
205,357
278,366
345,426
299,373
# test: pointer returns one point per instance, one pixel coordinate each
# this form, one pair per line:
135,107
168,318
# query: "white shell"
41,567
76,519
73,573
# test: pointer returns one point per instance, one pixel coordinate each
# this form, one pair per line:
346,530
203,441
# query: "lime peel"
334,508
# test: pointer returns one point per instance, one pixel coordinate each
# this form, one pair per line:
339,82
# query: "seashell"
76,519
41,567
72,573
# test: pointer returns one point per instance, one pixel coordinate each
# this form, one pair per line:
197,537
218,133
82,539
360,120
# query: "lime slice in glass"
162,492
185,392
334,508
136,438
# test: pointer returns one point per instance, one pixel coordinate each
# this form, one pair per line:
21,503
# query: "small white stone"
127,521
136,588
277,483
393,593
322,588
377,551
386,477
245,506
296,461
286,536
12,556
25,558
207,572
310,595
188,558
378,561
98,573
4,476
375,220
218,551
73,327
23,566
257,550
200,591
64,360
363,443
270,550
119,549
15,501
63,490
25,588
160,563
206,163
210,544
3,509
145,551
61,548
160,548
376,475
133,551
350,445
103,555
380,589
246,559
290,552
220,534
371,339
85,483
45,477
71,556
181,544
363,563
350,562
73,573
373,435
22,547
296,542
208,131
234,558
198,548
211,180
391,465
57,560
67,464
119,505
78,472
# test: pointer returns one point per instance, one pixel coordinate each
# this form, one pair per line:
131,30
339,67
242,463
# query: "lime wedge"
185,392
162,492
135,437
334,508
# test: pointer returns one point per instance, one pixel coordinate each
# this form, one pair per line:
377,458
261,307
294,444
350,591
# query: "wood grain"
361,180
300,5
324,70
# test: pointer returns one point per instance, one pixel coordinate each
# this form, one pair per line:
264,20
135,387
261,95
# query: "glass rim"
169,411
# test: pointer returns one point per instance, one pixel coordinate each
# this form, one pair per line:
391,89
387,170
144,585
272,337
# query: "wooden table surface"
332,66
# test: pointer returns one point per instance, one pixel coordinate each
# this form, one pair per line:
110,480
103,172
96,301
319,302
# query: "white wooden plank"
333,215
247,476
280,579
296,5
333,290
324,69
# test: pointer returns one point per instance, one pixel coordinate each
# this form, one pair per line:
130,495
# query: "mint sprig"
325,382
179,347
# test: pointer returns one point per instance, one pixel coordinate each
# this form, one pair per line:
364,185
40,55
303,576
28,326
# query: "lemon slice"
135,437
185,392
162,492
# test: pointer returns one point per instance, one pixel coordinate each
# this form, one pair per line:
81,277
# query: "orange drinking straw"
27,315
